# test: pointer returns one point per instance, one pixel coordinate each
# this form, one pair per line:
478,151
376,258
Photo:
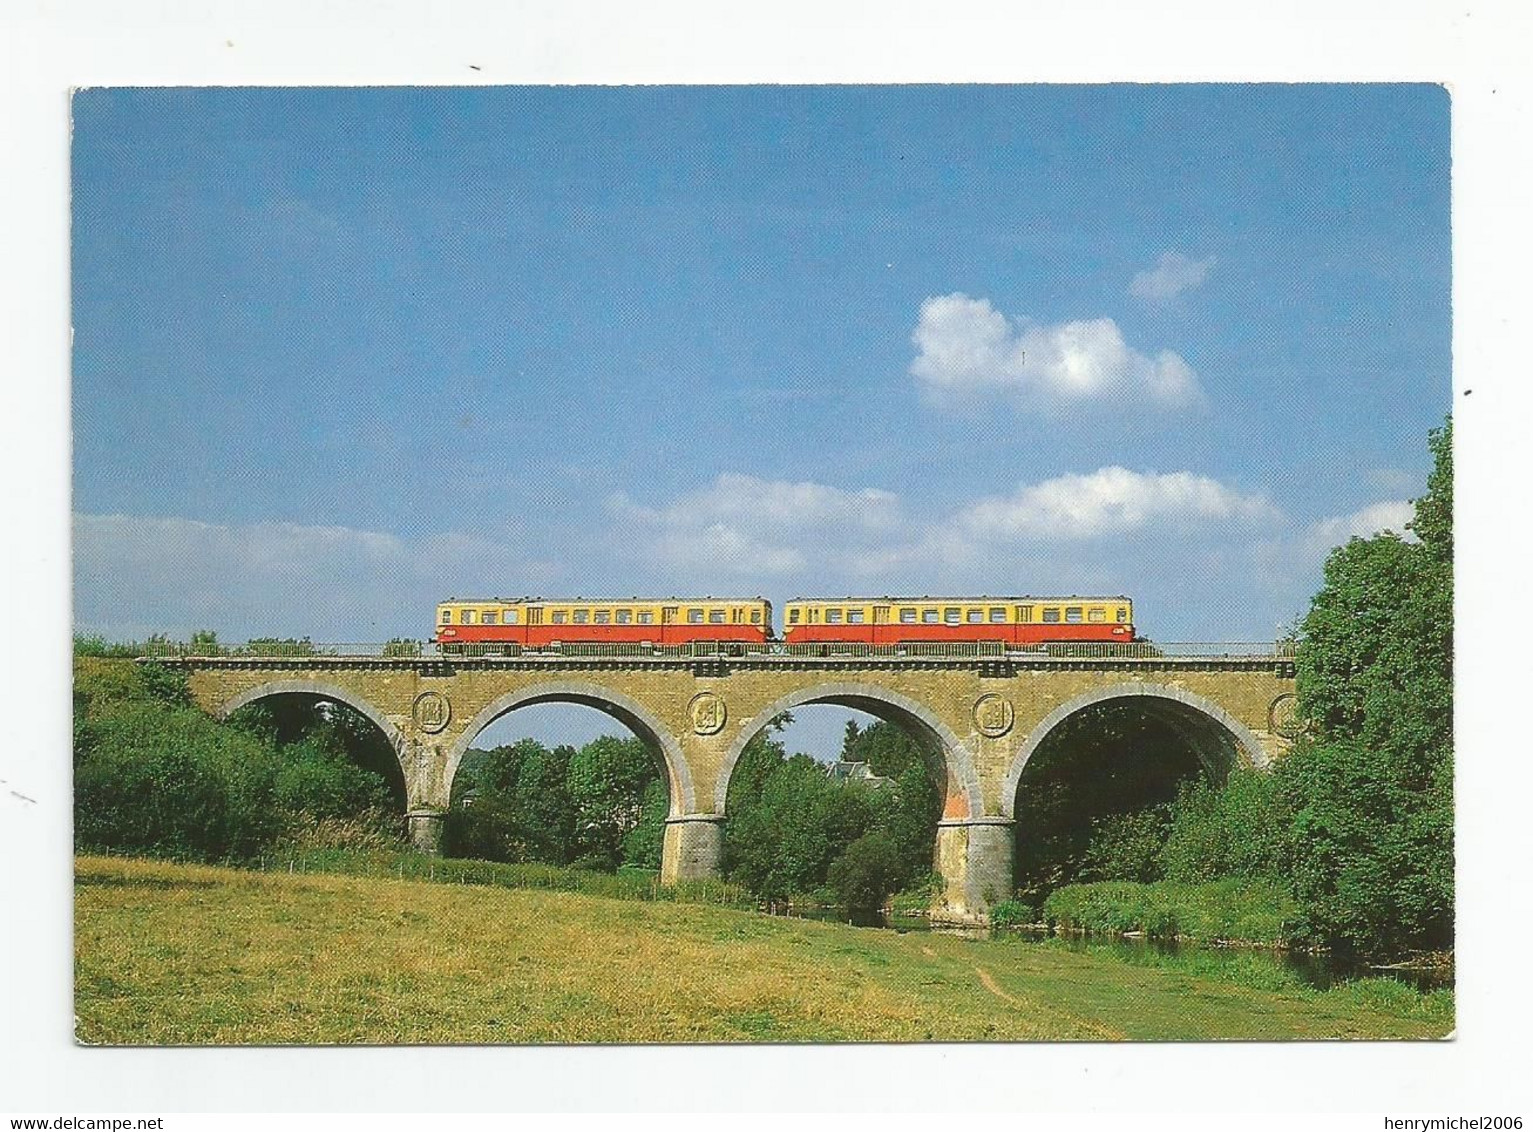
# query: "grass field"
195,955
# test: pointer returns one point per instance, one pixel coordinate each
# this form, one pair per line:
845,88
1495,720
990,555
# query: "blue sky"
340,353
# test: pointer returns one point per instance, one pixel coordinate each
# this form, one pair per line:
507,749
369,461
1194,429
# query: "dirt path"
995,988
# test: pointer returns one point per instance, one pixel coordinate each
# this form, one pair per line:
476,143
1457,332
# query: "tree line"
792,831
1355,822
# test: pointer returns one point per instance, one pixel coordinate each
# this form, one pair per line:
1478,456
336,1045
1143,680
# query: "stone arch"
1245,742
324,690
626,710
876,701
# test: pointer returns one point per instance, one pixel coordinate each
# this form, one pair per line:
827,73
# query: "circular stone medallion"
993,715
708,713
1283,716
431,711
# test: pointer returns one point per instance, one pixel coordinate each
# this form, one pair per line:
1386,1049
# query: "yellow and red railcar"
538,622
1009,620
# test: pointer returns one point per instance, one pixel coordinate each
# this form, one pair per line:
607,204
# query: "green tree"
644,843
781,843
887,748
1370,787
1242,828
607,780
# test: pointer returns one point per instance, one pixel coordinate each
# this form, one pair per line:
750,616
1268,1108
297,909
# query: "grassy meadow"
192,955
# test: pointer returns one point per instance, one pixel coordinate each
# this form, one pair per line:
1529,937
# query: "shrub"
1259,911
315,777
1126,846
174,783
868,870
1012,914
1241,829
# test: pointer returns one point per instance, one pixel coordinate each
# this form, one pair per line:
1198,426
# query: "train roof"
960,598
592,599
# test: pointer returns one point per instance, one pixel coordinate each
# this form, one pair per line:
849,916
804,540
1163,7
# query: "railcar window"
1122,615
561,616
466,617
694,616
907,617
855,616
582,616
930,616
446,617
792,617
832,617
997,614
1050,614
715,617
488,617
603,617
646,617
1073,614
951,616
509,617
755,617
975,616
1096,615
624,616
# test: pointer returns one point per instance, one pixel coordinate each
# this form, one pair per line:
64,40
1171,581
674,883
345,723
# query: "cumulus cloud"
1390,515
742,524
1111,500
965,347
1172,276
748,526
135,575
1286,565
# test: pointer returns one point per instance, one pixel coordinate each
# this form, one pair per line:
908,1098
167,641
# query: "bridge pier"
426,829
693,848
974,859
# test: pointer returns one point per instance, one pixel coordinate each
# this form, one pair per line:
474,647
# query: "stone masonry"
985,716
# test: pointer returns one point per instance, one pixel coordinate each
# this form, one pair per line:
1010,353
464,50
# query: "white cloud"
1390,515
965,347
136,575
750,527
1172,276
1397,480
1110,500
1286,566
742,524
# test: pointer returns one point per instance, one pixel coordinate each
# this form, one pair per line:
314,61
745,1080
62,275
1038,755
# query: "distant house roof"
853,772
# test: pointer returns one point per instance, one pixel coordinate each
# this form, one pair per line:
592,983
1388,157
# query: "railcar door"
880,633
669,616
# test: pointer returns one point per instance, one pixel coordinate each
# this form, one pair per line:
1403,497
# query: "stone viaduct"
986,717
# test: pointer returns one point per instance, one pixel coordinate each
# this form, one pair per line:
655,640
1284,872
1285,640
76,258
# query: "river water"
1316,969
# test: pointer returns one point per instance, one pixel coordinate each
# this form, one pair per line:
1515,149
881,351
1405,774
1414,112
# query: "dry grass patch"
197,955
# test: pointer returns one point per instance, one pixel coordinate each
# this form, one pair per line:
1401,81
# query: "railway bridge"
982,716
